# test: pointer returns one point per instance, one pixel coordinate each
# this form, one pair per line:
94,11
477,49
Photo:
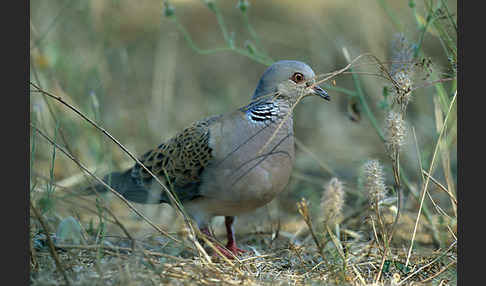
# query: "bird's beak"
320,92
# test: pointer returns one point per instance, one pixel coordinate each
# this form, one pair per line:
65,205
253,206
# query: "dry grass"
270,261
110,62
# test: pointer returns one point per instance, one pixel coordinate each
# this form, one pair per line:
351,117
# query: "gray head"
292,72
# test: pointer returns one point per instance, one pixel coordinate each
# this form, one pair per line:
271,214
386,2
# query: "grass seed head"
401,55
403,90
374,181
401,70
303,207
332,202
395,133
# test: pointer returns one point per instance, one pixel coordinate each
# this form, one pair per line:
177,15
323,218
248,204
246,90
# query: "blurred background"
127,66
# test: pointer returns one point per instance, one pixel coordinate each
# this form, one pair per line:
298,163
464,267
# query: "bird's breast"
250,167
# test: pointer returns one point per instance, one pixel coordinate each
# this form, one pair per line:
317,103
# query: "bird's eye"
297,77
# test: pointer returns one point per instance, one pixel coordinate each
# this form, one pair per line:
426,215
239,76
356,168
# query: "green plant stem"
250,29
449,15
230,41
50,183
448,43
198,50
222,26
255,37
364,104
51,110
423,30
429,19
32,153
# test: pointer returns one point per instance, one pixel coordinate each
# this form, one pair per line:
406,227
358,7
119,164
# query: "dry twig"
52,247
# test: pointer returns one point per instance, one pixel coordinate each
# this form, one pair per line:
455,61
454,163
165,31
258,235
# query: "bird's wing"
179,162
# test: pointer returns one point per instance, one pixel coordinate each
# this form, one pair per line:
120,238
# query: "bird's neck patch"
262,111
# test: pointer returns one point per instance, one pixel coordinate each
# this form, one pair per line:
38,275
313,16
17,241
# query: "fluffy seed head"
401,55
401,70
332,202
402,89
374,181
395,133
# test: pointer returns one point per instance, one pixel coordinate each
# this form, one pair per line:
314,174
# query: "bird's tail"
119,181
128,187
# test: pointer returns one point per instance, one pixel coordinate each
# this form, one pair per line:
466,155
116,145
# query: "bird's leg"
221,249
231,244
231,249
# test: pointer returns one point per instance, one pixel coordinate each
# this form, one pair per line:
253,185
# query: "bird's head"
289,79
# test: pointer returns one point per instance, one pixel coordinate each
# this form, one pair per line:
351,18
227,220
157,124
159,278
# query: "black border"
461,158
24,278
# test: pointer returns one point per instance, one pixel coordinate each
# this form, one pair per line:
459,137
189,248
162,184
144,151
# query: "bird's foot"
230,251
235,249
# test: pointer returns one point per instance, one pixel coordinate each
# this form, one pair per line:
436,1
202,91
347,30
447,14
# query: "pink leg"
231,244
225,252
231,248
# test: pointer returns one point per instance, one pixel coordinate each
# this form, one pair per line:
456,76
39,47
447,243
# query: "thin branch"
428,264
438,184
174,201
52,247
428,179
129,205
